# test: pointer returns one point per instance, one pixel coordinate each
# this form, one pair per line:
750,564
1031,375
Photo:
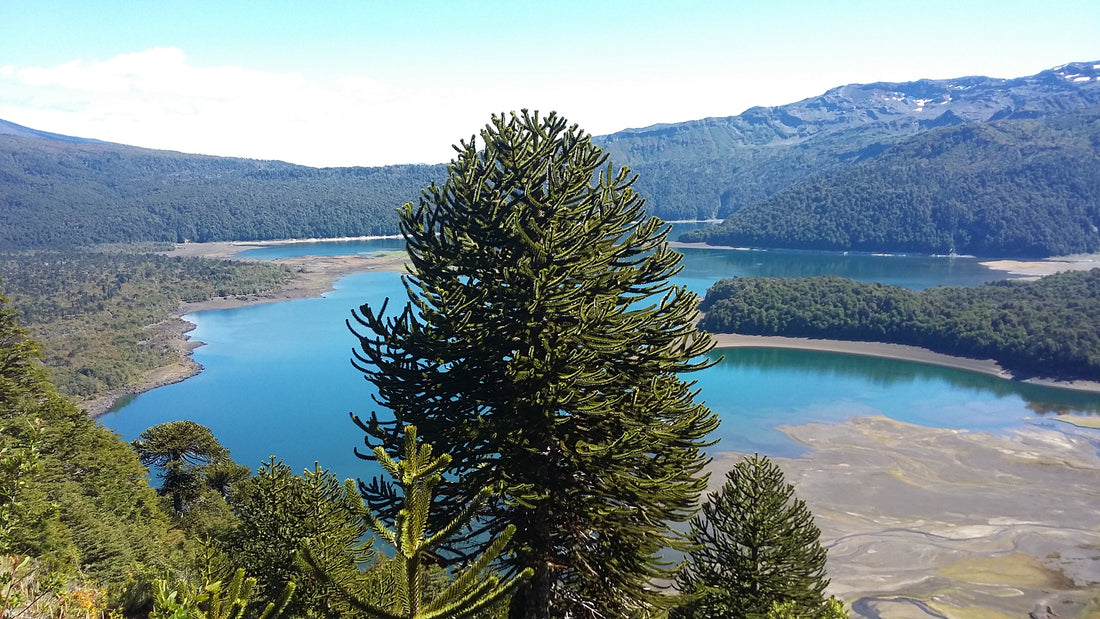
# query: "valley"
944,486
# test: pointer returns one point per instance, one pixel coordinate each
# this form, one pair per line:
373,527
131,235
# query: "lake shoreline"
317,274
967,523
1019,269
963,522
900,352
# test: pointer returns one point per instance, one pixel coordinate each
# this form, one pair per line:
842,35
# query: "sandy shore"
869,349
923,522
1035,269
315,274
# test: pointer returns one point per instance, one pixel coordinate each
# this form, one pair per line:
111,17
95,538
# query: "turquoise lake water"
278,381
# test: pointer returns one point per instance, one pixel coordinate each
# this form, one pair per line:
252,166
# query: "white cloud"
157,98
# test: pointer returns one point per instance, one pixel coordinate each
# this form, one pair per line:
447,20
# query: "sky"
368,83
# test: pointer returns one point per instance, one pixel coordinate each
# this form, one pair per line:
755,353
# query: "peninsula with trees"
1048,328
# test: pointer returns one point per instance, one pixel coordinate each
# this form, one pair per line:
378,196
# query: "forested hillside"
72,495
715,166
62,193
1023,188
1049,327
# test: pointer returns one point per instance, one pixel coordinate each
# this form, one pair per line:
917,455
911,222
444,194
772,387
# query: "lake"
277,378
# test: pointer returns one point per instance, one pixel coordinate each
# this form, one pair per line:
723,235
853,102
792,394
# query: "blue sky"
374,83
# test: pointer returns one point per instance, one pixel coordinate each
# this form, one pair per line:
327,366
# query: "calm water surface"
277,380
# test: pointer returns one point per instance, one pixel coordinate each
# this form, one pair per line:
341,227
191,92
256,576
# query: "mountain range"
1026,188
714,167
1036,132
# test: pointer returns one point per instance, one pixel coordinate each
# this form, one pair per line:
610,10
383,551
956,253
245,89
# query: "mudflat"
1032,269
919,522
924,522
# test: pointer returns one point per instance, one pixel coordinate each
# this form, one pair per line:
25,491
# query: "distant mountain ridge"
909,106
1018,187
10,128
713,167
60,190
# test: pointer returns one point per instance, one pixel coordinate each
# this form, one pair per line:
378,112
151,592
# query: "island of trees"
1045,328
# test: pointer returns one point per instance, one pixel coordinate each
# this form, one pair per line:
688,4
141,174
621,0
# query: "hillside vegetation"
1025,188
716,166
92,310
73,495
1048,328
60,193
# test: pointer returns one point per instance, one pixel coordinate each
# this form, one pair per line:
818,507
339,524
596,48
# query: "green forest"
59,194
1024,188
714,167
95,311
1046,328
525,302
1014,187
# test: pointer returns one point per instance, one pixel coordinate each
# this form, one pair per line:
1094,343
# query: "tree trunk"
532,600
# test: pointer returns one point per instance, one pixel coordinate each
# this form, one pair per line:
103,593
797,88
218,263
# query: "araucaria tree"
181,450
756,547
277,510
472,593
542,348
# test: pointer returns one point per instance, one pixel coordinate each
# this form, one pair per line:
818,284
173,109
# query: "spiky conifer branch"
417,473
541,347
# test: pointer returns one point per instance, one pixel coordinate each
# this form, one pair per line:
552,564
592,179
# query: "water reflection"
914,272
889,373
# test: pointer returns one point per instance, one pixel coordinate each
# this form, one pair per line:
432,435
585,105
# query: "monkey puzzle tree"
541,347
473,592
757,550
180,449
277,510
